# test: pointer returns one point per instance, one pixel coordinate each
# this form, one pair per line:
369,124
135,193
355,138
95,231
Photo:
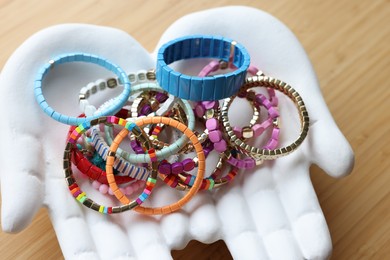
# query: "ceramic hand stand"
269,212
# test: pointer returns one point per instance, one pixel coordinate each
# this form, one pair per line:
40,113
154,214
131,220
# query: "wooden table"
349,45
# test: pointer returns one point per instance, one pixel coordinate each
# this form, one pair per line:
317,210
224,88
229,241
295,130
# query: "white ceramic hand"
259,215
272,211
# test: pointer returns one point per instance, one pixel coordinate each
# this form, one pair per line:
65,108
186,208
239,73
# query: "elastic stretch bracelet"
201,165
201,88
99,85
80,57
260,153
82,196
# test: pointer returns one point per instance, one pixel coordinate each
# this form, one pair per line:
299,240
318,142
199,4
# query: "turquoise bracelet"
196,88
81,57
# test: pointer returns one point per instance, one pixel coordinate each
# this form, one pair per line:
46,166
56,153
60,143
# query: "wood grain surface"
349,45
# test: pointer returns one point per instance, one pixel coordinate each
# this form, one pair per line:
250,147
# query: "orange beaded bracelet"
191,192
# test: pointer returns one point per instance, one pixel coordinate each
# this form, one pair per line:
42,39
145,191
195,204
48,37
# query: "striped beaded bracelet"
80,57
153,157
71,181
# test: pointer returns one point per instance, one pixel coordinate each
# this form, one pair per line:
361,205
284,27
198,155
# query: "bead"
275,133
177,168
145,110
103,188
188,164
257,130
272,144
212,124
209,104
199,110
241,164
220,146
273,112
249,163
161,97
247,132
164,168
215,136
260,99
138,150
96,184
210,113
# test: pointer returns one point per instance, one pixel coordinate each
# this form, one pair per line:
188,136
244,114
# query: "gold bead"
209,113
111,83
247,132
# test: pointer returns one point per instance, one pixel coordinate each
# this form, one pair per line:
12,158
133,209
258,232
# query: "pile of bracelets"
160,130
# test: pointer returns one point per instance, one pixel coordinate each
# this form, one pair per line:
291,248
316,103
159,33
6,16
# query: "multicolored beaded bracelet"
260,154
80,57
76,190
153,157
201,88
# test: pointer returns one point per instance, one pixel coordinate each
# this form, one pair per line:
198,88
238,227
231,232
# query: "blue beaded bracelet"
202,88
80,57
